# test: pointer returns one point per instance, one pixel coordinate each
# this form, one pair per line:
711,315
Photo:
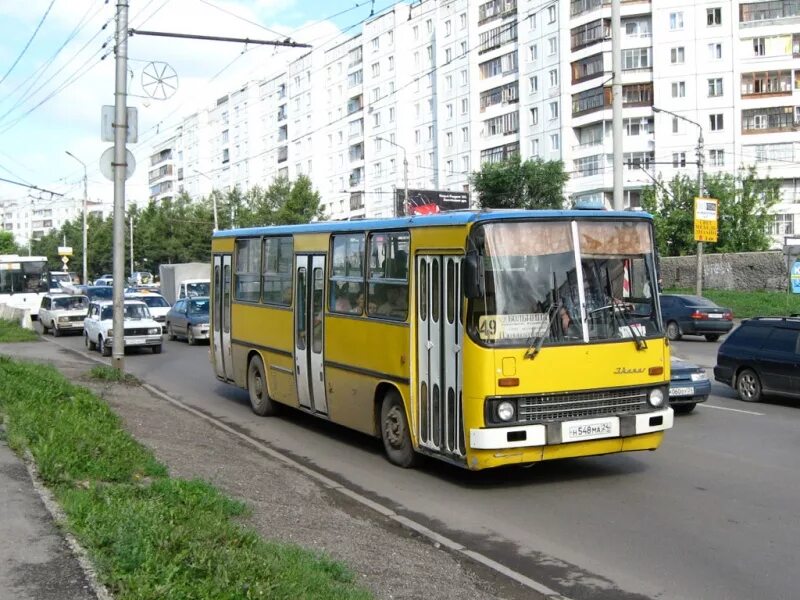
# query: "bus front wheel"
395,433
257,388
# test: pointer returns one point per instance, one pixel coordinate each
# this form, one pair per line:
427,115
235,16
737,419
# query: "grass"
150,536
12,332
751,304
106,373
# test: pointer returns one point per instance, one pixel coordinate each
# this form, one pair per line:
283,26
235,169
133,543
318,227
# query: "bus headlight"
154,331
505,411
656,398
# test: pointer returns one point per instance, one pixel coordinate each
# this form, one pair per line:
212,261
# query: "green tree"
513,183
745,201
7,243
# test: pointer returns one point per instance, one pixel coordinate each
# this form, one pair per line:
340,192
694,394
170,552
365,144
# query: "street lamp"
85,199
405,170
213,198
700,186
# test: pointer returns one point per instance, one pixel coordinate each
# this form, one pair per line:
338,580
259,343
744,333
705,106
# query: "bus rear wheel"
260,401
395,432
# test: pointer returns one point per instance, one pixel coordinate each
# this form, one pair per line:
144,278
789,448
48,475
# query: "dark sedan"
688,385
694,315
189,318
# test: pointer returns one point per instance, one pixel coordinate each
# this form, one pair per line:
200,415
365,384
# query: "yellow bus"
480,338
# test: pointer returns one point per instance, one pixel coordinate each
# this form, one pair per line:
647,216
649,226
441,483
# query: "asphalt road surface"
713,514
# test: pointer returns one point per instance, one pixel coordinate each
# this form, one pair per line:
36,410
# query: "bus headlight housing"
656,398
505,411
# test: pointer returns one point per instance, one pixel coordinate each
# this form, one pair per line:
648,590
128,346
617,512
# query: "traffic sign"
107,124
705,219
107,168
65,251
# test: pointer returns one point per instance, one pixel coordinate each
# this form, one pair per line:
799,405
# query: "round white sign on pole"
107,169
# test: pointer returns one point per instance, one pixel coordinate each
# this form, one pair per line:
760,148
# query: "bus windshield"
23,277
593,282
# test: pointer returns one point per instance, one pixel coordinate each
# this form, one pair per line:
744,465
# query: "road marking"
736,410
436,538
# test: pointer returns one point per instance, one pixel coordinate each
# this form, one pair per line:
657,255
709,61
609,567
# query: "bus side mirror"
473,275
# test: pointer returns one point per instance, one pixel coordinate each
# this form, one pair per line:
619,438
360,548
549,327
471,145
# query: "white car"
140,328
63,312
158,305
104,280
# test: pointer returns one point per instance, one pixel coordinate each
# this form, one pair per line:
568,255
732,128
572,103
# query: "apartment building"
447,85
31,218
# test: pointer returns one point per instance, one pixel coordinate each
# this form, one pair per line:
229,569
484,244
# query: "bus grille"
136,331
583,405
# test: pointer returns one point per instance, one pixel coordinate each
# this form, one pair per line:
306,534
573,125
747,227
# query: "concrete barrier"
18,315
746,271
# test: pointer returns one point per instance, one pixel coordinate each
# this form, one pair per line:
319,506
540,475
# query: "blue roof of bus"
438,220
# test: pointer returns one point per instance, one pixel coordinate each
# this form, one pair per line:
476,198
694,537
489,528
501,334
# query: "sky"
51,99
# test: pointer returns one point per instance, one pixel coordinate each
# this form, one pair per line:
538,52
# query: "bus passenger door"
309,320
440,327
223,362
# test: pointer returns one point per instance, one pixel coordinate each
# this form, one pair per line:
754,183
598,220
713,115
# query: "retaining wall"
746,271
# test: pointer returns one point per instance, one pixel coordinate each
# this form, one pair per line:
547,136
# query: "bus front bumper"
566,432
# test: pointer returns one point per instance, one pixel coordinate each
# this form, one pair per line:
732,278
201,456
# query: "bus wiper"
536,341
618,312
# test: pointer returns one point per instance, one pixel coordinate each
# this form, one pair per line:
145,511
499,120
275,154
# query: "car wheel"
684,409
748,386
157,349
56,331
395,432
44,328
673,331
712,337
170,334
190,336
89,343
260,401
104,350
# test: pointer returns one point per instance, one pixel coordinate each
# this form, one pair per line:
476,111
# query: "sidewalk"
35,561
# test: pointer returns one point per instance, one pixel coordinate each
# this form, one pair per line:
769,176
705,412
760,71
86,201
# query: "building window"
449,109
552,46
464,79
554,110
759,46
448,28
678,159
448,55
675,21
533,52
449,138
534,116
448,82
713,16
534,83
449,167
462,20
535,147
676,127
678,89
553,78
716,122
551,14
717,158
782,225
463,48
465,164
636,58
391,63
677,56
715,87
715,51
464,106
554,142
391,115
465,134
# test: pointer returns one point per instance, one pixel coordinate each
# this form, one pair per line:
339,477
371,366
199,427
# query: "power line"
233,14
32,187
25,49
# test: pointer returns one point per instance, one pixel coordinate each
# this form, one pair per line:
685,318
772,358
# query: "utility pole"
130,220
120,173
701,159
616,103
85,202
701,194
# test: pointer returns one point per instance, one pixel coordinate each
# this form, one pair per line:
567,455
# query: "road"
713,514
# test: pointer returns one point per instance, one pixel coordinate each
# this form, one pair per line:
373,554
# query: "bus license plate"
681,391
590,429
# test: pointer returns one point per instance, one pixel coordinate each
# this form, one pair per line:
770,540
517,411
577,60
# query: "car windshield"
193,290
154,301
546,279
71,303
198,307
132,311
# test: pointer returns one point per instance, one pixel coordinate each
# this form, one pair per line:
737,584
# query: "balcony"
356,152
756,13
355,104
776,119
587,68
496,9
637,94
164,171
766,84
160,157
282,113
356,177
497,37
356,200
500,153
591,33
283,153
283,133
504,94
